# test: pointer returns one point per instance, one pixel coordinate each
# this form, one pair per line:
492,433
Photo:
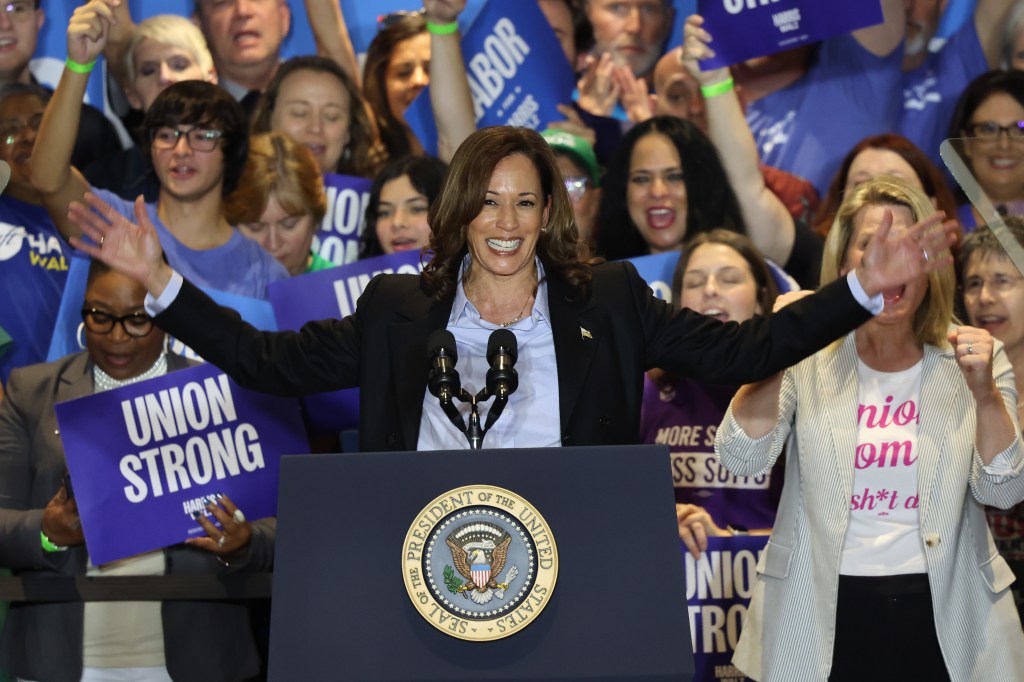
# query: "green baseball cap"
576,147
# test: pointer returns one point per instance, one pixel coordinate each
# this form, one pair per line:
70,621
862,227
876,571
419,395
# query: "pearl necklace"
105,382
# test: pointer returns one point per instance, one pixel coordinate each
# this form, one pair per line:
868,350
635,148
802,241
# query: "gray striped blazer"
790,626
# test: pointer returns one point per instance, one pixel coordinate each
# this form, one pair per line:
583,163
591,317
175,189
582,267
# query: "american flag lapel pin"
585,333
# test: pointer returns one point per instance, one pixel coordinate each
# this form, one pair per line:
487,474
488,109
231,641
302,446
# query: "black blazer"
603,345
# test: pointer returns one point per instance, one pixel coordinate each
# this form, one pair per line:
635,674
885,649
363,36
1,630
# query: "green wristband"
716,89
442,29
48,545
79,68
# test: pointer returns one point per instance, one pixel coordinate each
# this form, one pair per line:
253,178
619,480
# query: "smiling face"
402,217
656,194
287,237
313,108
116,353
900,303
159,65
244,35
718,282
19,32
994,297
998,164
633,31
408,72
502,239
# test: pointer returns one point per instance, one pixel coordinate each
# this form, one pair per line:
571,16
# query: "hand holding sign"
130,248
60,520
695,526
696,48
234,533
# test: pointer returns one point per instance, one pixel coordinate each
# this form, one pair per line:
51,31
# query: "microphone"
502,378
442,378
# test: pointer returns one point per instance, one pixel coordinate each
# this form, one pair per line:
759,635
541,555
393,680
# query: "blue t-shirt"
930,92
240,266
846,95
33,270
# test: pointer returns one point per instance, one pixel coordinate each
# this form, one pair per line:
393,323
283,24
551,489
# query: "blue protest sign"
517,72
145,457
657,271
68,336
744,29
337,240
718,589
327,294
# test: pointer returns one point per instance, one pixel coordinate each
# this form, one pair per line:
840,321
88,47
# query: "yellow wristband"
48,545
79,68
716,89
442,29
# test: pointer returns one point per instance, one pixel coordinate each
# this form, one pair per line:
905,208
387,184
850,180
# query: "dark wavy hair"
462,198
202,104
980,89
425,175
360,157
930,176
393,131
712,202
767,290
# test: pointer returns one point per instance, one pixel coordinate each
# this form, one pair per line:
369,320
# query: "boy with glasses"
198,143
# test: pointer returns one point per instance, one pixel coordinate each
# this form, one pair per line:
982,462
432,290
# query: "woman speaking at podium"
506,255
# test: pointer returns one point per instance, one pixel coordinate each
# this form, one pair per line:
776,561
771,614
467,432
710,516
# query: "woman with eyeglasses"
198,144
41,534
993,298
35,266
400,199
990,116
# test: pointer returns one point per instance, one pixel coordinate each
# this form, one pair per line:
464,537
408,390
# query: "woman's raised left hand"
973,350
234,533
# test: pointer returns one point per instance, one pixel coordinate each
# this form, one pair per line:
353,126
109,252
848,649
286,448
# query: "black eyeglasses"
199,139
990,130
135,325
386,21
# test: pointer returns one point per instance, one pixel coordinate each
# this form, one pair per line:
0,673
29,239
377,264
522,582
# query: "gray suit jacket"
790,627
43,641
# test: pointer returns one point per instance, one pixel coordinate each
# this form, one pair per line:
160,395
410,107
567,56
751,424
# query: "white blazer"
789,630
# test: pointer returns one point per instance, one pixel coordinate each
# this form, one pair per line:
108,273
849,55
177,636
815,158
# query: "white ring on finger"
222,539
238,516
970,348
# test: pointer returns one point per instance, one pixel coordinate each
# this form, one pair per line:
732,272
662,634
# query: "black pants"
885,630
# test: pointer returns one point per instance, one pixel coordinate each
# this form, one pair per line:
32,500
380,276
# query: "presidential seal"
479,563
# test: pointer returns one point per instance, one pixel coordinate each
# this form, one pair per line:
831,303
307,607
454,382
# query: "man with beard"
934,75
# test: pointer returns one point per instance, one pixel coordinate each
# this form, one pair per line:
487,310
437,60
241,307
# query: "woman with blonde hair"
896,438
280,201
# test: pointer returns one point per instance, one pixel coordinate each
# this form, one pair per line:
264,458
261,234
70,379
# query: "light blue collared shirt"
531,418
